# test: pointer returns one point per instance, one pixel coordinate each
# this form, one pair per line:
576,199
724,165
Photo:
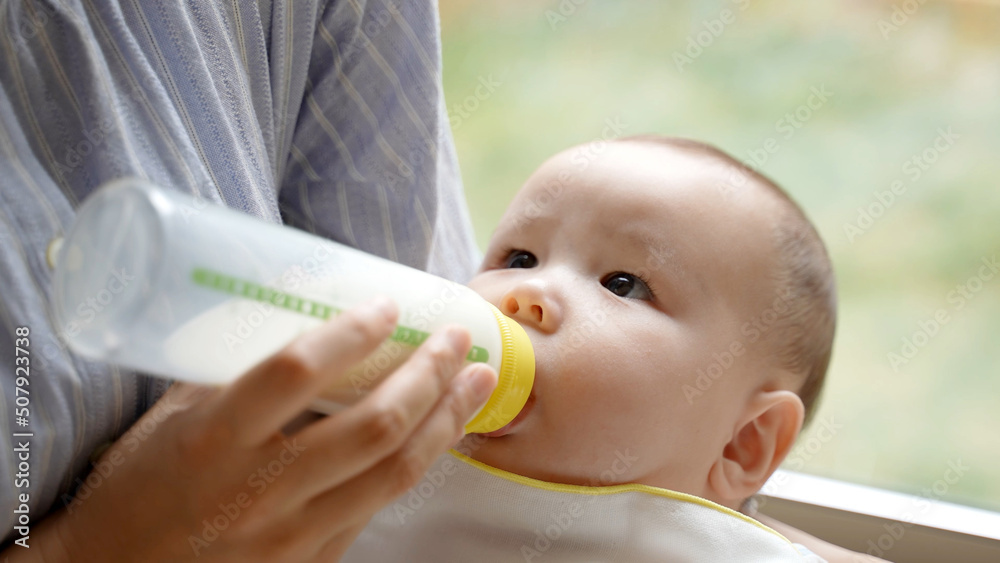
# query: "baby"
681,308
682,312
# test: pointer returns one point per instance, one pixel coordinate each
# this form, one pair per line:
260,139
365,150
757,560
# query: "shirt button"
52,251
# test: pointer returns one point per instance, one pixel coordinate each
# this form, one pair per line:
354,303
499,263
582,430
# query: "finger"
364,495
257,404
354,440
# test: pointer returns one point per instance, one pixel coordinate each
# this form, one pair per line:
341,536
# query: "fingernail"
458,339
482,382
385,307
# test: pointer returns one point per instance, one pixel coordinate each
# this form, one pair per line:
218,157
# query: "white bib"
466,511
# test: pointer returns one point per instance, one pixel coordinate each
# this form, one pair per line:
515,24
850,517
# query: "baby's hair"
801,337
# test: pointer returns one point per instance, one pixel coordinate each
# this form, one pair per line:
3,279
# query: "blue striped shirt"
327,116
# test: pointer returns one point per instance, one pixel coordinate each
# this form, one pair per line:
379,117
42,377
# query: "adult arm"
372,163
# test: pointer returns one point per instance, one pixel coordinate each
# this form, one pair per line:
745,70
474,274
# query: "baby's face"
630,271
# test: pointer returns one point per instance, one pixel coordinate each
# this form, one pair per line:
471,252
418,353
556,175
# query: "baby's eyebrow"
658,255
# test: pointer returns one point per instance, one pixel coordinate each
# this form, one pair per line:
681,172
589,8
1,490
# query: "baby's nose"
532,303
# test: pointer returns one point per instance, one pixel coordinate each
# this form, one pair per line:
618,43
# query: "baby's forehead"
633,180
690,209
622,166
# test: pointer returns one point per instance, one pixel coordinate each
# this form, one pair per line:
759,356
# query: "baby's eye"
521,259
627,285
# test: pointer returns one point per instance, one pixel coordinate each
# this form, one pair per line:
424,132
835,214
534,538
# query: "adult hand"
217,480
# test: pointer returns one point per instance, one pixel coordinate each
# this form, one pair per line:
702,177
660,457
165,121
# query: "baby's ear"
761,440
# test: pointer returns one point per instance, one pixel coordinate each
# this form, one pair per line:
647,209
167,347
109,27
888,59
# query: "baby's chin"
504,453
517,450
525,453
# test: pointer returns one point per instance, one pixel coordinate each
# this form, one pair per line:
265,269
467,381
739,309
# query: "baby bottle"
172,285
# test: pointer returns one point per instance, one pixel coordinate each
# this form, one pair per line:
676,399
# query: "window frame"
887,524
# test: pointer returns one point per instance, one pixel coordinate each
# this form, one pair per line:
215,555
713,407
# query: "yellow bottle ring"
515,378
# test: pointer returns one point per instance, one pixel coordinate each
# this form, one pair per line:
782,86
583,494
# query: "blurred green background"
558,70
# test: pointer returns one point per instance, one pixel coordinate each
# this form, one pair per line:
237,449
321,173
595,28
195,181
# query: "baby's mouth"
528,405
